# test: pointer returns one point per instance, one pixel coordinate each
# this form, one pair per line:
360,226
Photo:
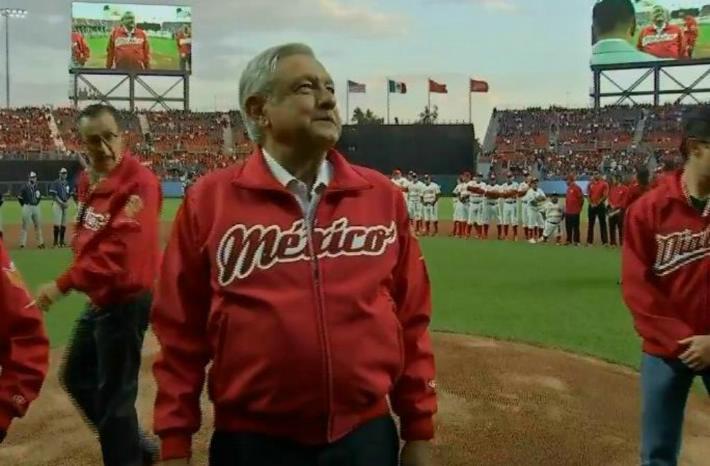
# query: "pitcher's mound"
501,404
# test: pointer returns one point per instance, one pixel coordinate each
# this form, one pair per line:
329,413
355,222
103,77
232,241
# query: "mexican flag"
397,87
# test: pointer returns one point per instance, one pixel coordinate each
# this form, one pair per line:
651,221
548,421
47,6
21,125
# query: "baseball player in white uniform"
414,201
535,200
489,212
401,182
475,205
523,189
29,198
461,195
509,198
554,214
430,206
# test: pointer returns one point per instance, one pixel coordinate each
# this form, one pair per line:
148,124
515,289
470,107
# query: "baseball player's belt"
476,200
510,202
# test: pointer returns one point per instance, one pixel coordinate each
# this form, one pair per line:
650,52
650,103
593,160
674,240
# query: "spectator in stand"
598,192
614,23
574,201
617,200
662,39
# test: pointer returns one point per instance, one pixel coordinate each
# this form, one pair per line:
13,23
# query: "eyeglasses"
97,139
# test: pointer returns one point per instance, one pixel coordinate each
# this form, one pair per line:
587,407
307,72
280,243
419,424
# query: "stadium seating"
25,131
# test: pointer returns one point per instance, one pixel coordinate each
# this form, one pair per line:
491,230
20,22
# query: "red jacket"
574,200
690,31
128,51
301,348
79,48
665,268
634,193
617,196
598,191
116,249
24,348
670,43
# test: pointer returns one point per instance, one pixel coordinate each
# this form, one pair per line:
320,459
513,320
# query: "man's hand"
177,462
417,453
697,356
47,295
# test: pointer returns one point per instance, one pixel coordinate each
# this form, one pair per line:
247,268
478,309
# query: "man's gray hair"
258,79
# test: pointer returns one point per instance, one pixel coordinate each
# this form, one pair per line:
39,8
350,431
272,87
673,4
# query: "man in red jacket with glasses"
297,276
665,269
116,259
24,348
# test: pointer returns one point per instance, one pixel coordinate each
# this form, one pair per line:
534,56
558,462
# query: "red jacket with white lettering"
307,334
128,50
670,43
116,249
666,267
24,348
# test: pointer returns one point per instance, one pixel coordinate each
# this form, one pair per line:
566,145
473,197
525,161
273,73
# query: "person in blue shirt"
60,192
614,23
30,197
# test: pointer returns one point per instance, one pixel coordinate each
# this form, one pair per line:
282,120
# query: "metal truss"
131,78
649,70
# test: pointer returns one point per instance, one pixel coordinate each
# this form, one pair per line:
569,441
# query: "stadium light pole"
8,13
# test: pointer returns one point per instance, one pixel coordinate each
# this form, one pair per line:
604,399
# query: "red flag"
437,87
479,86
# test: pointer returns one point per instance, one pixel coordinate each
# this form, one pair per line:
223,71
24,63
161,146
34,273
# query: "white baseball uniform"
489,213
523,189
430,207
475,203
402,183
554,213
461,196
510,204
535,199
414,199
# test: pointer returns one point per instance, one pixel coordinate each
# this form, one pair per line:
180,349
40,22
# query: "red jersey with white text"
79,48
116,250
317,324
668,42
666,267
24,348
128,50
184,43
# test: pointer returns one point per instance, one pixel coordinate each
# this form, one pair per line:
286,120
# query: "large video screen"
131,37
630,31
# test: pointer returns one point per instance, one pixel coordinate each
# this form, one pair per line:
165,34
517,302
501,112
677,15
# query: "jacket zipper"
320,311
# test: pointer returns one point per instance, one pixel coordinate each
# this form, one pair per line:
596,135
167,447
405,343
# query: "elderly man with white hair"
297,276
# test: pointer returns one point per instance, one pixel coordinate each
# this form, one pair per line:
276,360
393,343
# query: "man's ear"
255,108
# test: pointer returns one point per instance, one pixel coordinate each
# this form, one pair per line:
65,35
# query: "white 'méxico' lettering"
679,249
244,249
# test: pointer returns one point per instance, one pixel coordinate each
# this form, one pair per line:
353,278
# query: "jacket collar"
254,173
285,178
675,190
119,175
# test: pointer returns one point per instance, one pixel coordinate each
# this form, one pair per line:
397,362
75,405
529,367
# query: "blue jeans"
665,385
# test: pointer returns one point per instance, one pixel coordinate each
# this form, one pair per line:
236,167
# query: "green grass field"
164,53
547,295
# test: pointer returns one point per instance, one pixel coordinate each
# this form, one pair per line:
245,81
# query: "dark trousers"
572,227
375,443
100,373
594,214
616,225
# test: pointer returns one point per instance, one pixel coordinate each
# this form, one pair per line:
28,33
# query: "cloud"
307,16
505,6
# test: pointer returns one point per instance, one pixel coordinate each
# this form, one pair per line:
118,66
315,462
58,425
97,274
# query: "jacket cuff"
5,419
175,446
417,428
65,282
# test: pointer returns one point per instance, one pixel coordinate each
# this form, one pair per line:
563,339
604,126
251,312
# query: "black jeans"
616,224
375,443
100,373
597,213
572,227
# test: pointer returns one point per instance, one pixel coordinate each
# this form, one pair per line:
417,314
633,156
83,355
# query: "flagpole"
347,103
388,101
428,96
